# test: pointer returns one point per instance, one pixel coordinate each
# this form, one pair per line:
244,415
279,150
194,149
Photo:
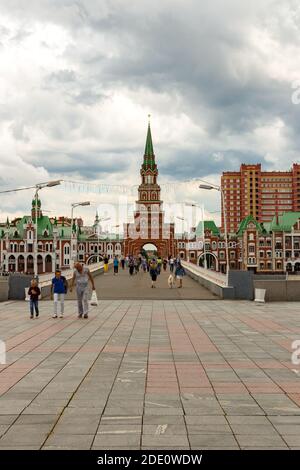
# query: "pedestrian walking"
136,265
116,265
59,287
81,278
179,272
131,265
171,264
153,272
165,262
34,292
123,262
144,264
106,264
159,264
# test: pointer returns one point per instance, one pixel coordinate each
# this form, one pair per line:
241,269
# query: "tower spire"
149,153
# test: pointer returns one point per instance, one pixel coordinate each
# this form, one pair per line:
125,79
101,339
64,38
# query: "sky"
79,78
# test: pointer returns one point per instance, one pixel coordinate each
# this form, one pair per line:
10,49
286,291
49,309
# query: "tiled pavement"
151,374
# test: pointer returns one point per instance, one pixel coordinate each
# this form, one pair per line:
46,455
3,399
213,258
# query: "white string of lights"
104,188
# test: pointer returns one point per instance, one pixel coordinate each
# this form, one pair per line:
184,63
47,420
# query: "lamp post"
101,219
187,238
191,204
38,187
73,205
210,187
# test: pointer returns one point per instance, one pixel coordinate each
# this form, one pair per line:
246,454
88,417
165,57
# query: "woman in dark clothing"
153,272
34,292
131,265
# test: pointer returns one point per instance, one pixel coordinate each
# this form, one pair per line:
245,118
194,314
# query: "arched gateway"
149,225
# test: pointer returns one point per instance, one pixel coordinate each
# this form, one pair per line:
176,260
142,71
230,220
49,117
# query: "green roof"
208,225
149,146
244,224
149,158
285,222
44,223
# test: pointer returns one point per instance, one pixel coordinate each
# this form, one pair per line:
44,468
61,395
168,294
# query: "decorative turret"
74,228
36,206
96,222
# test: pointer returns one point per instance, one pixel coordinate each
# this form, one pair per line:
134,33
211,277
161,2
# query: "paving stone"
291,440
208,429
36,419
7,419
119,429
268,441
247,420
163,440
163,419
164,429
216,441
115,440
254,429
70,441
203,419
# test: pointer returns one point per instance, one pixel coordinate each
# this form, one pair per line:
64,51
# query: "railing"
218,278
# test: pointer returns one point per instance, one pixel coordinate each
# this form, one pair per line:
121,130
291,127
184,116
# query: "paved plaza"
151,374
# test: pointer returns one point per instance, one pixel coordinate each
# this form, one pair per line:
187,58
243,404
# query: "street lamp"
73,205
38,187
210,187
192,204
100,219
187,238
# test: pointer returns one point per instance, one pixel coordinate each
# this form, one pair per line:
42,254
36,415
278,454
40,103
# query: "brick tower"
149,225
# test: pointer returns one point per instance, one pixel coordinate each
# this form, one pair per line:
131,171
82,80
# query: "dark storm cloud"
198,164
86,164
219,63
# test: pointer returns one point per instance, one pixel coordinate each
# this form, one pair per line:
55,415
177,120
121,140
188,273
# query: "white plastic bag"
27,297
94,299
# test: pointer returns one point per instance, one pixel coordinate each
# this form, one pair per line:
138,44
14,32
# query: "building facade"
270,248
261,194
55,240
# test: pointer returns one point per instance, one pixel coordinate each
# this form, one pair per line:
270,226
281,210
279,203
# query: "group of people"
59,288
154,266
82,277
177,271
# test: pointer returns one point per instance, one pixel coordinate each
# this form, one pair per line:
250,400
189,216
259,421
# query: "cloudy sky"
78,79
